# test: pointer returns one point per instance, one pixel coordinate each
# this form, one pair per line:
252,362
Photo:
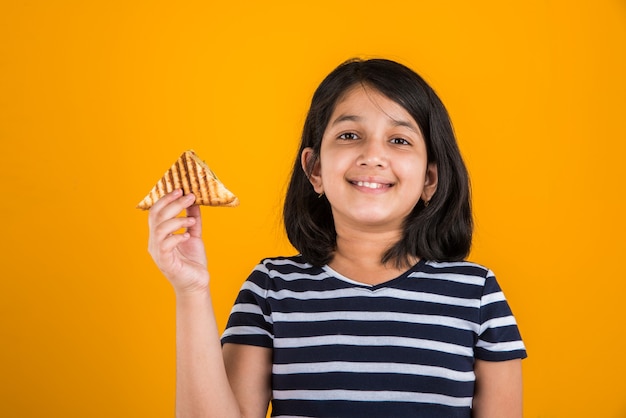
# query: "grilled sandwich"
192,175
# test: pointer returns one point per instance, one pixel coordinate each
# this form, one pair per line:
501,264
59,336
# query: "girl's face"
373,165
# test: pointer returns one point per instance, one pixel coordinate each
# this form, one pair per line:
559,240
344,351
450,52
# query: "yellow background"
98,98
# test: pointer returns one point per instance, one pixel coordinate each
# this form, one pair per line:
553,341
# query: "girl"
379,315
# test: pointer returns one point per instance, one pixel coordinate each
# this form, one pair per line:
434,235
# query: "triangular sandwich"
192,175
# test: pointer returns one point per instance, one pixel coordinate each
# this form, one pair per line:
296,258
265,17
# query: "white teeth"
370,185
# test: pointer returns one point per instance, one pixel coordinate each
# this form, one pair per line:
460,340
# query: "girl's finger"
195,229
171,205
156,209
170,226
165,200
172,241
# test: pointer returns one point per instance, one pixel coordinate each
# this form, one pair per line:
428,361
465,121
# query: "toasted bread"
192,175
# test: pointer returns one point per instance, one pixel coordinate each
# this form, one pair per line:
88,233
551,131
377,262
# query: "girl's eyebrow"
406,124
394,122
347,118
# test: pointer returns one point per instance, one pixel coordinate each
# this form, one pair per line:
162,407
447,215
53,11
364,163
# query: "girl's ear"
311,166
430,182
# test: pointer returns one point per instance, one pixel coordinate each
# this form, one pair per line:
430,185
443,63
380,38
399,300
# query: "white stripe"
262,268
504,321
452,277
501,347
374,341
362,367
375,316
288,262
290,277
254,288
246,330
439,264
252,309
371,396
491,298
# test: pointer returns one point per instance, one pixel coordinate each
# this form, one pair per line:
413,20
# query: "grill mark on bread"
181,172
170,177
175,176
192,177
215,191
212,197
161,190
200,186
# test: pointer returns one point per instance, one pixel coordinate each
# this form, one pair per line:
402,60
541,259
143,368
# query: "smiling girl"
379,315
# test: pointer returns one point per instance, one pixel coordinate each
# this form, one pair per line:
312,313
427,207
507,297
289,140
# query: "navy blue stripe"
411,356
374,328
373,382
344,409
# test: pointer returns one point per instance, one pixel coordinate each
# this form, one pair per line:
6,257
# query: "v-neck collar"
333,273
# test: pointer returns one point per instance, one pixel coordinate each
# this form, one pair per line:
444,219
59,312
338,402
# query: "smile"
371,185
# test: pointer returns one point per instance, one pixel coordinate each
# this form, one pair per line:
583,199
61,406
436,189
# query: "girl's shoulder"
466,274
285,263
459,273
286,266
463,267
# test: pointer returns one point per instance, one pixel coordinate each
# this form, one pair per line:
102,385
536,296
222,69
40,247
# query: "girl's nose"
373,154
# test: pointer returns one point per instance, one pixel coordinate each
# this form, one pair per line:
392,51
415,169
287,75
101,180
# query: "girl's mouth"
371,185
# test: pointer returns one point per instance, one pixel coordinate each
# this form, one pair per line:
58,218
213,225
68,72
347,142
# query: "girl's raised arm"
203,388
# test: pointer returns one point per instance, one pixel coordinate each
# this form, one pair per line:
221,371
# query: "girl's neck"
358,256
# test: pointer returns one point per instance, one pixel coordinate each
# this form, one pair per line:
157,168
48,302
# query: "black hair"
440,231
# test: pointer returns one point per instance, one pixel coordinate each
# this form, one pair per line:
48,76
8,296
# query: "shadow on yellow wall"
97,98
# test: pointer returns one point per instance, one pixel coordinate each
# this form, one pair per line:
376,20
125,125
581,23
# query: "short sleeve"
499,338
250,320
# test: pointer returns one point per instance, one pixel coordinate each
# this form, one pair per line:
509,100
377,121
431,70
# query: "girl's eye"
400,141
348,135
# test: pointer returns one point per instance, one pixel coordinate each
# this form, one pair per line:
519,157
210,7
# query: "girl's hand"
180,256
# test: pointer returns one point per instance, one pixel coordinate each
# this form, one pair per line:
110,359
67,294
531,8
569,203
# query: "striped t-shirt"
402,348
